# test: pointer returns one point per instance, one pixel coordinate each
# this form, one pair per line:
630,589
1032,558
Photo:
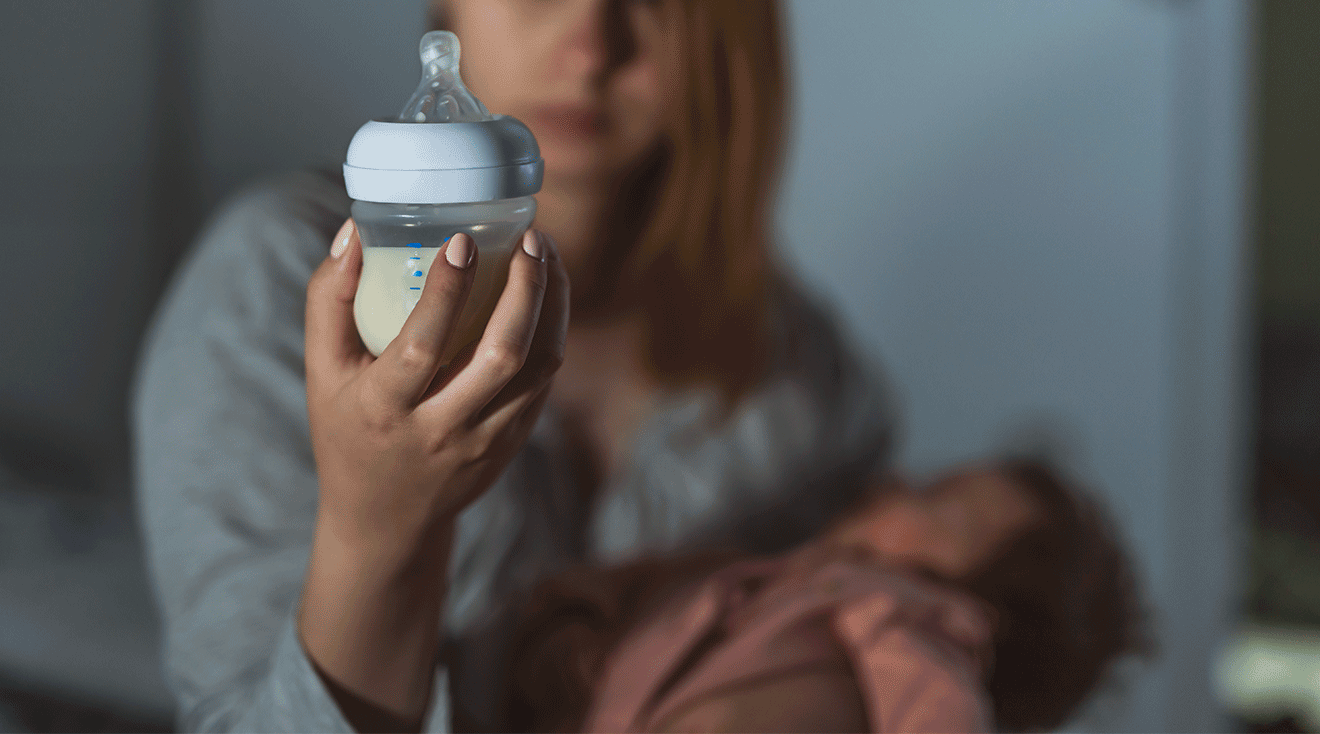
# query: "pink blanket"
822,639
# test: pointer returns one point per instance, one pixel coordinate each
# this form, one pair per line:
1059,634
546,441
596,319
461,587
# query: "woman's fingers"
505,344
523,420
547,351
405,369
332,344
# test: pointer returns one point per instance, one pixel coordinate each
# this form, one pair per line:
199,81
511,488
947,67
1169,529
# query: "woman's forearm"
370,623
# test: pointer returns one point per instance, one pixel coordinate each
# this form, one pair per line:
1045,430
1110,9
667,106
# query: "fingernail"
459,251
532,244
340,244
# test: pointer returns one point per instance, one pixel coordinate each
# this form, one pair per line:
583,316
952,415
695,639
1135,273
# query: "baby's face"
953,525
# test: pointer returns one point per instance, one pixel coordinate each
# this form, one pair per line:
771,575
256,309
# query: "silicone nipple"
441,96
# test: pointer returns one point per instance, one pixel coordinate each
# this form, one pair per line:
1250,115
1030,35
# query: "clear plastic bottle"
444,166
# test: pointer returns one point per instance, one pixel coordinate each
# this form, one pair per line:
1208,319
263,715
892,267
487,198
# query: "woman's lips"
570,120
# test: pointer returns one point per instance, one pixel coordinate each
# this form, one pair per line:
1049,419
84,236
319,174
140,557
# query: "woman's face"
953,526
587,76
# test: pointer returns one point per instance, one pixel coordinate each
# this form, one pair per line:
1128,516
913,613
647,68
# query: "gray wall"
76,202
125,121
286,84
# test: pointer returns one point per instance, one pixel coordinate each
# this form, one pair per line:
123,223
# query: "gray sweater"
227,489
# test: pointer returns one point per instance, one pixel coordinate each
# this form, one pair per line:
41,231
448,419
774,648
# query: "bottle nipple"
441,96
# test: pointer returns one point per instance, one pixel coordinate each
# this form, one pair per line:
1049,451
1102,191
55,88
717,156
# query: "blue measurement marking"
415,288
414,244
417,273
414,257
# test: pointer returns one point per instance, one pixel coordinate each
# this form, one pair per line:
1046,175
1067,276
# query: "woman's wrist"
349,578
392,557
370,617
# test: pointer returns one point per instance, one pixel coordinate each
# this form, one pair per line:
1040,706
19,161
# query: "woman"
337,541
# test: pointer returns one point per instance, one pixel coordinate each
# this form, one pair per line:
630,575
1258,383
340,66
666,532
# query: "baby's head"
1045,556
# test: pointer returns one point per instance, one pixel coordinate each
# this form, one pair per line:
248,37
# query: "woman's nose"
598,36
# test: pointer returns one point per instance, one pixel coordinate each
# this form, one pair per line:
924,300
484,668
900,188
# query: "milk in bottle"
444,165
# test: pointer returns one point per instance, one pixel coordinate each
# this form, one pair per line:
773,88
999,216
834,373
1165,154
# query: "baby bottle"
444,165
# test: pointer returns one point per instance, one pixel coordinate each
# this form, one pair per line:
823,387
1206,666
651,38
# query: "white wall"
1030,211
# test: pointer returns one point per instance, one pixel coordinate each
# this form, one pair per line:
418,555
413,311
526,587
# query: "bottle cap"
444,147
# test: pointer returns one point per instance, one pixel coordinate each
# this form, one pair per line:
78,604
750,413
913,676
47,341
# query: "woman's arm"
232,498
402,445
370,626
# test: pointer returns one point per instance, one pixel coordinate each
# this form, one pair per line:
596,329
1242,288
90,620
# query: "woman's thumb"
332,341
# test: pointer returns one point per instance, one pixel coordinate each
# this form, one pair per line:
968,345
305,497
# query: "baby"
997,598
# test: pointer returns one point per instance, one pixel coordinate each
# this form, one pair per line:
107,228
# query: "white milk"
392,282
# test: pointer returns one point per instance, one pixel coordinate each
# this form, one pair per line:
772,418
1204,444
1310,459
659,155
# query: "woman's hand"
402,445
400,442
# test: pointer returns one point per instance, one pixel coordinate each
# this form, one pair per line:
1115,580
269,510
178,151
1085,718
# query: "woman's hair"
701,266
1067,604
692,218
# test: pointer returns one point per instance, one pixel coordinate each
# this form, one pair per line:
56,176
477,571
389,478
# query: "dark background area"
1286,557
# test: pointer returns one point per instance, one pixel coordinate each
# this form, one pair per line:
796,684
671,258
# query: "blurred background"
1092,223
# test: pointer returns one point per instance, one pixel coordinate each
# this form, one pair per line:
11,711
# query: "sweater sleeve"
225,479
